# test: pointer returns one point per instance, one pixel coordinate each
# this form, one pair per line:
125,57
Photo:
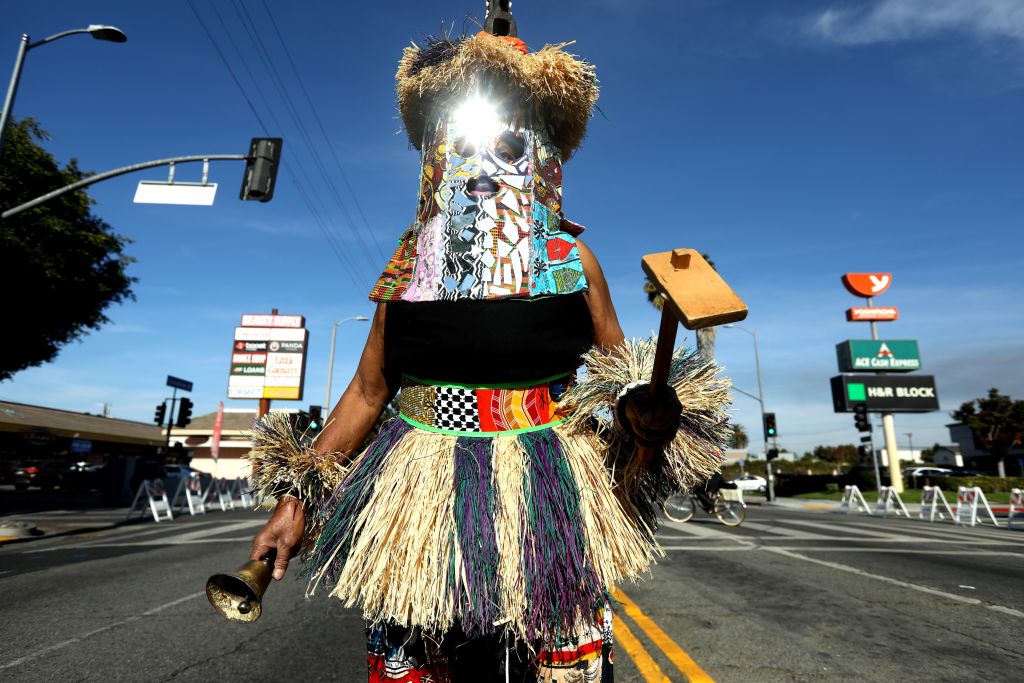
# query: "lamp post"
330,364
97,31
760,399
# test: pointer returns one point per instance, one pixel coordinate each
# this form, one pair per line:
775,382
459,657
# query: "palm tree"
739,437
705,336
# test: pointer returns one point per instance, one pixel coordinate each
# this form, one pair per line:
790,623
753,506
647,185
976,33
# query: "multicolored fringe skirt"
478,508
497,510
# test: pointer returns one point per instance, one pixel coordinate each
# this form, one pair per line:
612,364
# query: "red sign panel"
863,314
218,424
267,320
867,284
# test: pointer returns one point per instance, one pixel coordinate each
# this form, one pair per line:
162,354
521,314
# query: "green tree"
844,453
739,437
997,422
61,267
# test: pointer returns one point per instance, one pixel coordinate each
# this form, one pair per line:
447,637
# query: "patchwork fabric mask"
494,125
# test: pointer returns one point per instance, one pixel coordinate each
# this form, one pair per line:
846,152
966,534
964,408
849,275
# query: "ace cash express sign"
888,355
268,357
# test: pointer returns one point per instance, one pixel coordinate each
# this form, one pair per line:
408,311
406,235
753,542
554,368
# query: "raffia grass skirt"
523,532
520,532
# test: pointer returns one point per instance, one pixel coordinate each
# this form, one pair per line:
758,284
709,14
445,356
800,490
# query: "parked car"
172,474
751,482
7,468
927,472
81,478
42,473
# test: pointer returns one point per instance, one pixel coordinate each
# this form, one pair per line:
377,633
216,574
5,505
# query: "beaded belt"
481,410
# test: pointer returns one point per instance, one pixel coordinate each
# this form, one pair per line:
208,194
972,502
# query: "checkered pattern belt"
481,410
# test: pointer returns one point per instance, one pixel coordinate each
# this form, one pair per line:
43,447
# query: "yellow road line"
648,668
676,655
817,507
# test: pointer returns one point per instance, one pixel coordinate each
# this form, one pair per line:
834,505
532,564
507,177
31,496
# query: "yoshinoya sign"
268,357
891,355
885,393
867,285
865,314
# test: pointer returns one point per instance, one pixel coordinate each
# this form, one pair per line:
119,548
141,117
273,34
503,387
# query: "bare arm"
607,332
363,401
347,426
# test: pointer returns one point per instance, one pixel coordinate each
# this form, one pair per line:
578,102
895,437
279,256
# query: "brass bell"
239,596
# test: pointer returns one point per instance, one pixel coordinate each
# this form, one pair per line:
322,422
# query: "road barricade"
931,498
1016,509
967,500
852,497
156,496
219,492
189,493
241,491
888,501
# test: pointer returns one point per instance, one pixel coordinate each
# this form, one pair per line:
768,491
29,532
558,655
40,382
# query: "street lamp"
760,399
330,365
110,34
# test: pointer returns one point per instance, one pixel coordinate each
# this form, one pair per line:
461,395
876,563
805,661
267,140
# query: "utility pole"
889,433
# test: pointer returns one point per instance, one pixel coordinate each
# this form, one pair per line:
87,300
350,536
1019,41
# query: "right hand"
282,533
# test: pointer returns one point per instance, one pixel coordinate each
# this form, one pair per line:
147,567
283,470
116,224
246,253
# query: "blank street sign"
190,194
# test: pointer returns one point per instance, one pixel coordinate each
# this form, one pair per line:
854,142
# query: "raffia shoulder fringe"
523,532
549,87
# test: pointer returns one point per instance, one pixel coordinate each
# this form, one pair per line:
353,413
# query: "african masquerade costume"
502,504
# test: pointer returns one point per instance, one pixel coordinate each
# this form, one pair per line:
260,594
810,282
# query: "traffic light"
770,432
772,454
184,413
261,169
860,418
315,419
160,414
864,451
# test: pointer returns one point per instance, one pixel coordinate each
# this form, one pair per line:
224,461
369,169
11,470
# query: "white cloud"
887,21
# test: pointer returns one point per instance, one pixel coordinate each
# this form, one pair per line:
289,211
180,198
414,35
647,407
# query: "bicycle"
680,507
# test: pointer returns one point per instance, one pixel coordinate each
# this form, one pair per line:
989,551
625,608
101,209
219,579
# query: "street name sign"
885,393
268,357
867,355
179,383
867,285
868,314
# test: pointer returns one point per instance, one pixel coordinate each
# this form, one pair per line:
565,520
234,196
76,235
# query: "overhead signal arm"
263,157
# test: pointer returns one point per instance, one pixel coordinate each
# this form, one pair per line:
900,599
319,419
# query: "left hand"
654,421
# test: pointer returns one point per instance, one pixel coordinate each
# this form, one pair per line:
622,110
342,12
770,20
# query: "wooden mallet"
695,295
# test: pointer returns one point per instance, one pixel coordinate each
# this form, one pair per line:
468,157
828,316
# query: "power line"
323,132
282,90
339,253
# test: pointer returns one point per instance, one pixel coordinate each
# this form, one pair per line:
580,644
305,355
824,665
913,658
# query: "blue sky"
792,141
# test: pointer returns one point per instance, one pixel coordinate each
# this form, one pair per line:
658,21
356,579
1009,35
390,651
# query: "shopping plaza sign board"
885,393
268,357
890,355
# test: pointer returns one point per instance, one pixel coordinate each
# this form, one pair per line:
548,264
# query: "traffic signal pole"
170,421
889,434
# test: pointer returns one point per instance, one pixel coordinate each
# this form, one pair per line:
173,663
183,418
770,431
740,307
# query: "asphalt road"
792,595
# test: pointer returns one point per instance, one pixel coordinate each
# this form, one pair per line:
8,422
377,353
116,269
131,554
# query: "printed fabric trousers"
397,654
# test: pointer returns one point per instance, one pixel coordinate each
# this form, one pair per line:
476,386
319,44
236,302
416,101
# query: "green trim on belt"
454,432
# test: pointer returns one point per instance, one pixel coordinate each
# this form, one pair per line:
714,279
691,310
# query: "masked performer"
482,531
